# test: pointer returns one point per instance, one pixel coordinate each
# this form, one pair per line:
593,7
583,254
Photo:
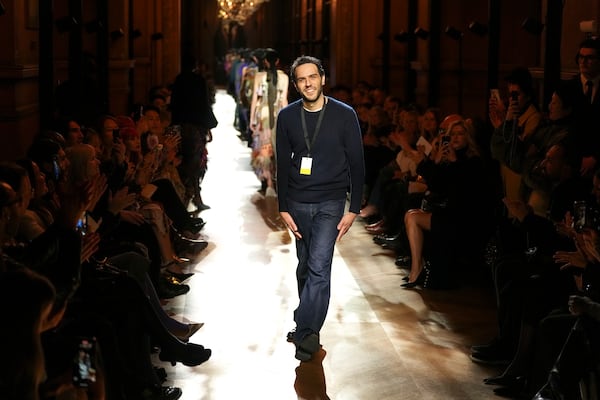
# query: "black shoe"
420,281
502,380
307,347
180,277
189,354
385,238
495,345
493,353
402,261
203,207
162,393
290,336
167,289
489,358
197,220
191,247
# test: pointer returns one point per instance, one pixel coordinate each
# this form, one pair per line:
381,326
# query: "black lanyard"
321,113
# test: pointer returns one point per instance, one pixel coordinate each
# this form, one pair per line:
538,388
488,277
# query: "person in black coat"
455,175
585,87
192,110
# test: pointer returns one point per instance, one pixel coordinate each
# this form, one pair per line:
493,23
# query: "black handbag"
432,202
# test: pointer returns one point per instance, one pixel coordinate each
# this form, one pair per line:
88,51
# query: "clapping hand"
590,240
121,200
171,141
565,227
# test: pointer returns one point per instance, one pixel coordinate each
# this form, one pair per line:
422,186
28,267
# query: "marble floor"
379,341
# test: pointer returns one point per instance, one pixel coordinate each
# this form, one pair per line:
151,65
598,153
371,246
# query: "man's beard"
307,100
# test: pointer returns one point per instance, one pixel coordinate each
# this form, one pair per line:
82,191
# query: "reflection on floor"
379,341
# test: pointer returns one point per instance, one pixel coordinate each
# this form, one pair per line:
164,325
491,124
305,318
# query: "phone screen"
82,224
84,369
55,169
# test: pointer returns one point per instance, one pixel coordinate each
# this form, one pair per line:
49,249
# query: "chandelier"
237,10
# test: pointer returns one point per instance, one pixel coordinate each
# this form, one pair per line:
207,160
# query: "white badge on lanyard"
306,163
305,166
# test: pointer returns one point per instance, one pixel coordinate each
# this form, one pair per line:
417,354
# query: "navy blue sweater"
337,156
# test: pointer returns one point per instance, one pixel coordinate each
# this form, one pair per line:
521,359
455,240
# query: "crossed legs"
416,223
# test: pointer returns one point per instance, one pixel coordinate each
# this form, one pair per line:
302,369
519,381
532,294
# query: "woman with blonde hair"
459,205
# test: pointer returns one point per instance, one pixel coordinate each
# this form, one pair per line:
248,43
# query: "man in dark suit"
586,91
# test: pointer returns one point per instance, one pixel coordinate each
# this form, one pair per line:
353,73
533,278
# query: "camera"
116,135
84,369
173,130
585,216
445,140
514,95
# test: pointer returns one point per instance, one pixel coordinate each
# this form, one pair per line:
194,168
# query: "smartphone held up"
84,369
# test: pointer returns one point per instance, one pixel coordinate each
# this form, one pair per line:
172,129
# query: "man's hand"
289,222
345,224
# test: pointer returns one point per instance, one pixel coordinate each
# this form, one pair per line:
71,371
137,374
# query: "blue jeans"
317,223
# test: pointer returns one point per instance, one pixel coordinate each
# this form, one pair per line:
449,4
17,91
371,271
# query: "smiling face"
309,83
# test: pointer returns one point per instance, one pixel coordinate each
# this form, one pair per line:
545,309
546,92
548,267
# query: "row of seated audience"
449,195
96,236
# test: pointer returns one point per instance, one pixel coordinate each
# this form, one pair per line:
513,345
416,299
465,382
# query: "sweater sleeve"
283,155
356,163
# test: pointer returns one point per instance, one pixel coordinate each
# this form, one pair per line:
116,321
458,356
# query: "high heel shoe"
179,276
188,354
504,380
180,260
190,331
420,281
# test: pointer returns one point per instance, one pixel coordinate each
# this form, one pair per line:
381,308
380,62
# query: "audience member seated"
559,125
527,284
380,167
460,209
